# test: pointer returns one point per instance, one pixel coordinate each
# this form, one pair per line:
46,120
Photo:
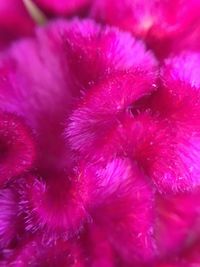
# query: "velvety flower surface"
100,138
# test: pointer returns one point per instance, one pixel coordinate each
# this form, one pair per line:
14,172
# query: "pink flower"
100,139
133,123
17,147
66,190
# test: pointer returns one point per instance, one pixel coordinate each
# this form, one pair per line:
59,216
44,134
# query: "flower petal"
61,211
126,212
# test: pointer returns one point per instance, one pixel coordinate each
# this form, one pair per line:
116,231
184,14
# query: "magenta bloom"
166,26
100,138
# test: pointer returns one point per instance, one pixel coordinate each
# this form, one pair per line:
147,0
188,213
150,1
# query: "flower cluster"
99,133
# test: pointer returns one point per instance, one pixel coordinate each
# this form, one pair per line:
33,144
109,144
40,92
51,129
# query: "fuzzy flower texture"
99,133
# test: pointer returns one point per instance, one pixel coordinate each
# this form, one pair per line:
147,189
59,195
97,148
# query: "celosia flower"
100,140
66,198
151,132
